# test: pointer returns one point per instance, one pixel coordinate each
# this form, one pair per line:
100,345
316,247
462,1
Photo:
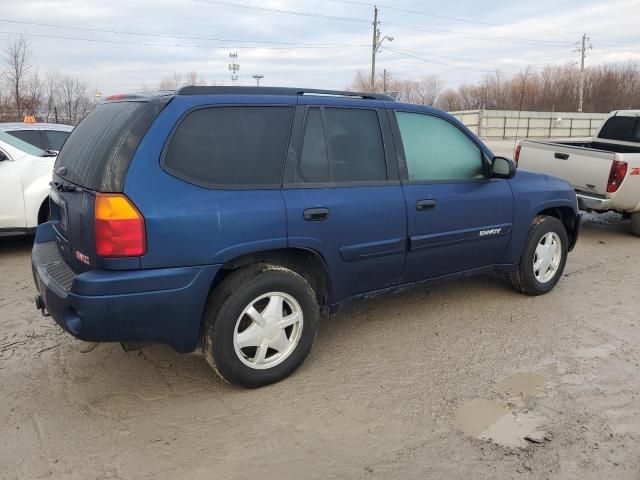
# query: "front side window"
435,150
30,136
235,146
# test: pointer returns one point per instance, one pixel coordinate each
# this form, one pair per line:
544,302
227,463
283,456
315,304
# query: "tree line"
607,87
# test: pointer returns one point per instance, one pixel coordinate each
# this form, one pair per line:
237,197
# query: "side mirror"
502,167
3,156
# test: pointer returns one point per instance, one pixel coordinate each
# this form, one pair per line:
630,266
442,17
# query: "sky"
121,46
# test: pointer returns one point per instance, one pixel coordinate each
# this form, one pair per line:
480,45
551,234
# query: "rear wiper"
50,153
65,187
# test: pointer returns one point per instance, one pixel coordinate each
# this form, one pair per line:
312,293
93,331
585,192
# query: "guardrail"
507,124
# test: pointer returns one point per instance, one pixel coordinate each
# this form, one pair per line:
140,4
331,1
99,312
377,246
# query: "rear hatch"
95,159
586,169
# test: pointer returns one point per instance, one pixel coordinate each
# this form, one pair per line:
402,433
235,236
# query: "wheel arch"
567,217
307,263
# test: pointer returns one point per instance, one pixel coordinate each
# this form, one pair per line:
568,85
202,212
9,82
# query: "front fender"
34,195
534,193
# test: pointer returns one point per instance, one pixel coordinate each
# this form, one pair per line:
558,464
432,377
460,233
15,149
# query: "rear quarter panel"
533,193
627,198
585,169
189,225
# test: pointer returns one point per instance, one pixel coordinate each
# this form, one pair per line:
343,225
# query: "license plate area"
59,215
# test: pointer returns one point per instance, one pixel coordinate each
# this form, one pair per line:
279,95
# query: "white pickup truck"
605,171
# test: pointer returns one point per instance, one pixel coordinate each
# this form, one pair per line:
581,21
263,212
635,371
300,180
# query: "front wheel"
259,325
543,258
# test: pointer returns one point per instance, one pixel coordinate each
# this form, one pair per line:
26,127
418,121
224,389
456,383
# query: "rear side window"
341,145
32,137
435,150
355,145
55,139
620,128
231,146
98,152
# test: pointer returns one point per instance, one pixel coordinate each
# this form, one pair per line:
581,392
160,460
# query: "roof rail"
206,90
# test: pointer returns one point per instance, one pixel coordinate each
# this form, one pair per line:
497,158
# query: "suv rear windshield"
98,151
625,129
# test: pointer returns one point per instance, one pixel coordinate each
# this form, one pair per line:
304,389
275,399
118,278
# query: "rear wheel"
635,223
259,325
543,259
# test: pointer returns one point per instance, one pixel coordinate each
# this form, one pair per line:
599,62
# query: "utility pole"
234,66
257,78
384,80
583,53
374,48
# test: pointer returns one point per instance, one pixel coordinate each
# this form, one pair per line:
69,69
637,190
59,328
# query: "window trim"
402,160
295,150
225,186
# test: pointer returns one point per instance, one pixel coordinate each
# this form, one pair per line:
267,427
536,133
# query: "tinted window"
98,151
55,139
619,128
30,136
231,146
355,145
314,163
437,150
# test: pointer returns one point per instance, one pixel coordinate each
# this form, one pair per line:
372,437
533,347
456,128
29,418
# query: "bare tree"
17,70
74,99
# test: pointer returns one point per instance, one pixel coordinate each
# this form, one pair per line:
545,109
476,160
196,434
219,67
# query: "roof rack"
206,90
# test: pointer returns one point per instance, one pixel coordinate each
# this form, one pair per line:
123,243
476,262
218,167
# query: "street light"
258,77
377,43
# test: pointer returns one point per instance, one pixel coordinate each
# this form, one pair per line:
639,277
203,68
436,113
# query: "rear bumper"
160,305
588,202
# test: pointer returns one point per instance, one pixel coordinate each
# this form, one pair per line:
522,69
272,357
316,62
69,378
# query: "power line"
495,38
445,17
161,35
463,67
120,42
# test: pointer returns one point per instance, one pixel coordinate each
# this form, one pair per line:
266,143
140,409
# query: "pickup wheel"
543,258
635,223
259,325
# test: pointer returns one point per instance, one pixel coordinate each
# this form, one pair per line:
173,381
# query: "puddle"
504,422
521,383
493,421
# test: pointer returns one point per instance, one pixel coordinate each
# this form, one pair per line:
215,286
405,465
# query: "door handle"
561,156
423,205
316,214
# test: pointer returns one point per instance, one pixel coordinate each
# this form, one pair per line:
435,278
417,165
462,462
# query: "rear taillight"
516,154
616,176
120,228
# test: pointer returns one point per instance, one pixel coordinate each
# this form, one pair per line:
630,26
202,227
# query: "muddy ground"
439,382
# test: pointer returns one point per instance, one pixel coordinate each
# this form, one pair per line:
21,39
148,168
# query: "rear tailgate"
586,169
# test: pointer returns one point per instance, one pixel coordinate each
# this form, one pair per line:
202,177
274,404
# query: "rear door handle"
422,205
561,156
316,214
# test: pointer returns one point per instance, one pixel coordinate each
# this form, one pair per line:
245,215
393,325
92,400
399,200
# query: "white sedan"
25,173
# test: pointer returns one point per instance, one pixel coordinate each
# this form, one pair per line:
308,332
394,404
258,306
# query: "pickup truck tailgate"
586,169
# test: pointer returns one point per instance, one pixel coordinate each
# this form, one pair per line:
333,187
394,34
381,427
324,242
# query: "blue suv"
231,218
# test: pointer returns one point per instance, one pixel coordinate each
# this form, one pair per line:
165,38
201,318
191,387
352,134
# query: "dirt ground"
438,382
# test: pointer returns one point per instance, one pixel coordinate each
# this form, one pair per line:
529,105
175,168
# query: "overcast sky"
118,45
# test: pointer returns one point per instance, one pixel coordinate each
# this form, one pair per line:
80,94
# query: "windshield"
21,145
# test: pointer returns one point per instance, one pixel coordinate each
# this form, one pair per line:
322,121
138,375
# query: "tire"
233,356
526,278
635,223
